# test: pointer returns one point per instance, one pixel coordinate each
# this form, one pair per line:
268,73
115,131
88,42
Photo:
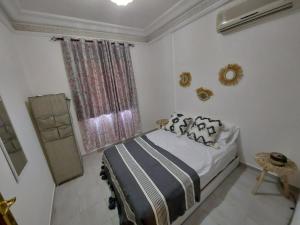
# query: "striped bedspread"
153,187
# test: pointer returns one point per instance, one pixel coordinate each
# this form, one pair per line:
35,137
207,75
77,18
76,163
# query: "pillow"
226,133
205,130
178,124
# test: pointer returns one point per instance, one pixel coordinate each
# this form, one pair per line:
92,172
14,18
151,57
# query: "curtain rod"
77,39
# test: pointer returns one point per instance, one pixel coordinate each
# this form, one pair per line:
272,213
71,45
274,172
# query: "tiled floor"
84,201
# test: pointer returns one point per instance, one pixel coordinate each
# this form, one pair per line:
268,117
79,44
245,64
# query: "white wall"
265,104
296,217
153,72
35,185
44,69
45,73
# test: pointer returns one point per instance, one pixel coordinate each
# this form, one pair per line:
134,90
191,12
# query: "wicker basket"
278,159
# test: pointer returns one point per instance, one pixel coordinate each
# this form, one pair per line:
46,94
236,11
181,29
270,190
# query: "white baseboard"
52,205
296,216
252,165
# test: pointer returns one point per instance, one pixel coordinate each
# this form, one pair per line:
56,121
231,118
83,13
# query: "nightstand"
263,160
162,122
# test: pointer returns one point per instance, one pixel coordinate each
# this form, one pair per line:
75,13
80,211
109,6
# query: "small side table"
263,160
162,122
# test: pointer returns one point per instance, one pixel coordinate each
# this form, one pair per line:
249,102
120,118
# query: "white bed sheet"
206,161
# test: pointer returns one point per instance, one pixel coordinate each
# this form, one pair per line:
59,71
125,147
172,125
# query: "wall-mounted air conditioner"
243,11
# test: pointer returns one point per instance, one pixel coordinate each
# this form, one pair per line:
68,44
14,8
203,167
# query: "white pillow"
178,124
205,130
227,133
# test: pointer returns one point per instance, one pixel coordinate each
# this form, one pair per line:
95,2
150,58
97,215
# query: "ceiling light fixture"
121,2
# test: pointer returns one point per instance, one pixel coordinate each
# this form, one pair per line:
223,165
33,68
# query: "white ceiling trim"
36,20
197,11
69,31
11,8
26,20
175,11
5,20
26,16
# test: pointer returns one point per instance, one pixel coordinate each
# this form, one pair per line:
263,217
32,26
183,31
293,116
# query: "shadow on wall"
240,148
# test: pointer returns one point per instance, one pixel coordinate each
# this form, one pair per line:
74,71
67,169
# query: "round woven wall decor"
236,74
185,79
204,94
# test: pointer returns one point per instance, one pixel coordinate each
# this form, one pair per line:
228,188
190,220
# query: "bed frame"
209,188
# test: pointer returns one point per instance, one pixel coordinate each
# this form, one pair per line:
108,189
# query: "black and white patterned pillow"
178,124
205,130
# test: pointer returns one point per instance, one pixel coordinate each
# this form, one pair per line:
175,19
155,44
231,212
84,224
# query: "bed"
160,178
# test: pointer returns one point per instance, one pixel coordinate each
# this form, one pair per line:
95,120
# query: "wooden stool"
263,160
162,122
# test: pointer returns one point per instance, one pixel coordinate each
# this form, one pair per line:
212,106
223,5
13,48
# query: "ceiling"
140,20
138,14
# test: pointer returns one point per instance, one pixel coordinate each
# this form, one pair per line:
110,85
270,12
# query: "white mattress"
206,161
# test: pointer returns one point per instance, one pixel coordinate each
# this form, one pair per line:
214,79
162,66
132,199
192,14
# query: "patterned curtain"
101,78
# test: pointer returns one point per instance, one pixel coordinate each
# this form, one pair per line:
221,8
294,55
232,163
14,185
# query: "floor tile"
83,201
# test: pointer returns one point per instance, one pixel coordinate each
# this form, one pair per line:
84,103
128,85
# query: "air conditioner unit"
243,11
